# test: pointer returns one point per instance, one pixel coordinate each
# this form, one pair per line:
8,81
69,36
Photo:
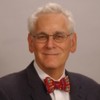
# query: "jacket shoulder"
12,78
82,79
85,85
12,82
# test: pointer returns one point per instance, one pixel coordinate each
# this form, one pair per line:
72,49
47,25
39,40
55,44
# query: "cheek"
66,47
37,48
66,51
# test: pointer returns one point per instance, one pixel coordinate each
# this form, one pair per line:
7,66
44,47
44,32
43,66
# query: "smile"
51,53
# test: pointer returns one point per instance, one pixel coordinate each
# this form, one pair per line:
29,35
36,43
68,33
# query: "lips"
51,53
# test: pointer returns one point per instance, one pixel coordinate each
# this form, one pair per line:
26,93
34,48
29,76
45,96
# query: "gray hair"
50,8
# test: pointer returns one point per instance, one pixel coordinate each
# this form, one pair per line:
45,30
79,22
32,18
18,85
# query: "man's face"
52,55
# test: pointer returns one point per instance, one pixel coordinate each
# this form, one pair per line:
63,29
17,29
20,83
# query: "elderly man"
51,38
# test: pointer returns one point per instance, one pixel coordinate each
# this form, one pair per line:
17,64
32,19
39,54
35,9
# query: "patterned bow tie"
63,84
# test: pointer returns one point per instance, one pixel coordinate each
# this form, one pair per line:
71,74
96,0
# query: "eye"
41,36
59,35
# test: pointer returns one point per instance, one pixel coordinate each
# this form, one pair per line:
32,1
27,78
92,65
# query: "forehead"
51,21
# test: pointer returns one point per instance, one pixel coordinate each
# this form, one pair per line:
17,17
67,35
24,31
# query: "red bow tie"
63,84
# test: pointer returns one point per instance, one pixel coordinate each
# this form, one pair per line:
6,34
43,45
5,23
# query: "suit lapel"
77,92
38,90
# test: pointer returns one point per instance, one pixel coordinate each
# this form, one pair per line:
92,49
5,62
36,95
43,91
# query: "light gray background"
14,54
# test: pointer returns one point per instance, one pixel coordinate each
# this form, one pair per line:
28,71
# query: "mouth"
51,54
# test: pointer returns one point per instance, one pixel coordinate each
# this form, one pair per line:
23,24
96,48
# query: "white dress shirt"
57,94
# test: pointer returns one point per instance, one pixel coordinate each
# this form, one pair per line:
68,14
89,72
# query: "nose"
50,43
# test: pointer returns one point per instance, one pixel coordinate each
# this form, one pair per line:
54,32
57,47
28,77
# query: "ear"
30,43
73,43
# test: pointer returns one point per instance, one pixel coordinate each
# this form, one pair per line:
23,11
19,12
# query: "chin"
51,65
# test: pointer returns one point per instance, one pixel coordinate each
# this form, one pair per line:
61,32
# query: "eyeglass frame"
48,36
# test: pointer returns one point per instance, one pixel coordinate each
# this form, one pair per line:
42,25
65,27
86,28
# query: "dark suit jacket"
26,85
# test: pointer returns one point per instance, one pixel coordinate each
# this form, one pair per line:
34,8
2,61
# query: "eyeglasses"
57,37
